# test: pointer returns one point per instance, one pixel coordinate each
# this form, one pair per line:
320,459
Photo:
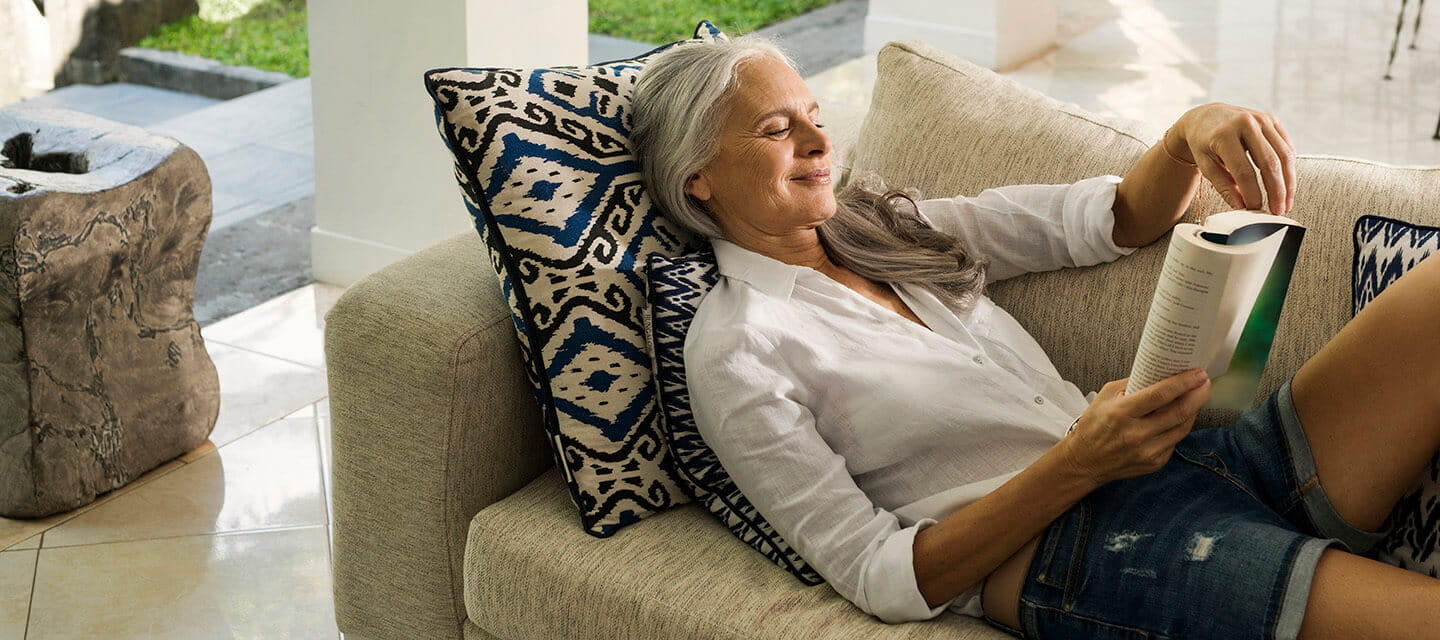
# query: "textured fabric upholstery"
679,574
432,420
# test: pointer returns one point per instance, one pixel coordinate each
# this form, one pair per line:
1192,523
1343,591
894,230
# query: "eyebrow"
814,106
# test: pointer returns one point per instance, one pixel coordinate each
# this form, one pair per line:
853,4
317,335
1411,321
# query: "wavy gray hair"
676,113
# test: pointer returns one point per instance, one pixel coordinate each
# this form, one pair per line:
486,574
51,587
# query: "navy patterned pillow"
544,164
1384,250
676,288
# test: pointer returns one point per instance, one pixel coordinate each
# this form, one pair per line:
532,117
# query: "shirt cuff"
1089,219
890,586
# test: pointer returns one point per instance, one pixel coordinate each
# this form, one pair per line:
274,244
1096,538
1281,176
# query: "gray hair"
676,114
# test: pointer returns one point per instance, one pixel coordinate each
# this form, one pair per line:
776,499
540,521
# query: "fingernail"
1198,376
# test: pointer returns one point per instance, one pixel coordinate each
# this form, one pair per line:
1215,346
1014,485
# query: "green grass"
662,21
271,36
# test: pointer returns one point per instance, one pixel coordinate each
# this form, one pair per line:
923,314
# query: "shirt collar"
769,275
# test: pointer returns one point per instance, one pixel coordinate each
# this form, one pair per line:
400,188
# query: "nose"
815,141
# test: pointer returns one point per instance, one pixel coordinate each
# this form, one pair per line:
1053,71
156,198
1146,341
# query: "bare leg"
1368,400
1356,598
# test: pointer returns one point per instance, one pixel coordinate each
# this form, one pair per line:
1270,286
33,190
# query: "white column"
384,182
991,33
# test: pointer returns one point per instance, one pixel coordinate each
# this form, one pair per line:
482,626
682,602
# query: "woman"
910,440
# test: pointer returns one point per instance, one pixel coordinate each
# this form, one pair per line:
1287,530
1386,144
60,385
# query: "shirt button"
979,360
1039,400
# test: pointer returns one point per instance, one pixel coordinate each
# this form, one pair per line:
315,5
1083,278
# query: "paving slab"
122,102
254,259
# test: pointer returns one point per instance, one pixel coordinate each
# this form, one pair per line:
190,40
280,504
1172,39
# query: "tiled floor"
231,540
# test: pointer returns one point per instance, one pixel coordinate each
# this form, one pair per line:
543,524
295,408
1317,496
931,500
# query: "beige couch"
450,520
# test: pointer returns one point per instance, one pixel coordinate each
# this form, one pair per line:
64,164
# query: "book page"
1181,320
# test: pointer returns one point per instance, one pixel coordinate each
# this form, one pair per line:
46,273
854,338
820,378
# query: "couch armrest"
432,420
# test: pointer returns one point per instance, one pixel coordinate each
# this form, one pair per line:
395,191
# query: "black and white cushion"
544,163
1384,250
677,285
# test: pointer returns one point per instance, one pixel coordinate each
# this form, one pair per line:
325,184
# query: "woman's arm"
1235,148
1026,228
749,409
1153,196
1119,436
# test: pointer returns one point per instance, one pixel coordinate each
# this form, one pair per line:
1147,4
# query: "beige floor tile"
322,424
272,584
285,327
17,569
14,531
256,390
33,542
325,296
264,480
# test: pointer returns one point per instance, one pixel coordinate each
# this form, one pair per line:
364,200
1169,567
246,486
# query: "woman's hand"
1121,436
1223,139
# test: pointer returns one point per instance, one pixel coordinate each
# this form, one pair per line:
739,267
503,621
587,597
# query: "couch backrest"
947,127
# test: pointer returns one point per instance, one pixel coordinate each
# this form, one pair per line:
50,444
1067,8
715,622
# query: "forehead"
765,84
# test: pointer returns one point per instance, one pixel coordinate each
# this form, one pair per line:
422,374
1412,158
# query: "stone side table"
103,373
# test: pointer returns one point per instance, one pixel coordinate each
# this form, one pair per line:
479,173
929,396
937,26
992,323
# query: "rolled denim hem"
1297,587
1318,507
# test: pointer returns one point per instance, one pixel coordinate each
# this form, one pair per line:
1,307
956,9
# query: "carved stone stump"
103,373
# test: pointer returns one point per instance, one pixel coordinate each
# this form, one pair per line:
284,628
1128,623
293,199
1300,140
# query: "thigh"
1181,553
1265,454
1355,597
1367,400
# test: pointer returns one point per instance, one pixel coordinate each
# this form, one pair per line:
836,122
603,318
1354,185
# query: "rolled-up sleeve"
746,409
1027,228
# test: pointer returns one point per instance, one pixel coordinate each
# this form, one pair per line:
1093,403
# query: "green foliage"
271,36
661,21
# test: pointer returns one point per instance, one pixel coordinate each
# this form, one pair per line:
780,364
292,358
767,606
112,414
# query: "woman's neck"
802,249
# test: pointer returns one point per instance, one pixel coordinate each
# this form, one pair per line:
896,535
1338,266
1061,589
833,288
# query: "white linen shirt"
851,428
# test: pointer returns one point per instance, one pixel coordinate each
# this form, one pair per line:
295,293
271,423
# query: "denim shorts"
1221,542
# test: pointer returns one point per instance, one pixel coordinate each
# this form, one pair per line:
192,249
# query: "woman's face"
772,173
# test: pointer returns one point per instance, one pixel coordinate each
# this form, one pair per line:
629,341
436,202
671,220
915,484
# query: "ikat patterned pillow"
544,163
676,288
1384,250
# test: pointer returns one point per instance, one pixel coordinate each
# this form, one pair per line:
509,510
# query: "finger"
1177,433
1178,411
1218,177
1237,162
1286,151
1279,127
1267,160
1146,401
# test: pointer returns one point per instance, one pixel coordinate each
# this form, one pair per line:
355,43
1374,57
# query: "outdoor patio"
232,540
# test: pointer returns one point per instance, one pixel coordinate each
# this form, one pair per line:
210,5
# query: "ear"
698,187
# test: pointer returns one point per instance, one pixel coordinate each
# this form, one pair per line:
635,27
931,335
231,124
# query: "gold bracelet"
1164,144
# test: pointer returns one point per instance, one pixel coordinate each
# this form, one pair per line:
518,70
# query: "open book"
1217,303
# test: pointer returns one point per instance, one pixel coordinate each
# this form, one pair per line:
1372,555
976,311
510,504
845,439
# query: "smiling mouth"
818,176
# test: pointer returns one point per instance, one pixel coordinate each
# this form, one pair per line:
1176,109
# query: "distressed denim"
1222,542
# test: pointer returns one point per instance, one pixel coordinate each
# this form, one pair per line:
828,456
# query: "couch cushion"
946,127
544,163
679,574
677,286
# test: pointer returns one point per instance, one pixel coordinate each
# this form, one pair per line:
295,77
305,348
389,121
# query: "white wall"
384,182
991,33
